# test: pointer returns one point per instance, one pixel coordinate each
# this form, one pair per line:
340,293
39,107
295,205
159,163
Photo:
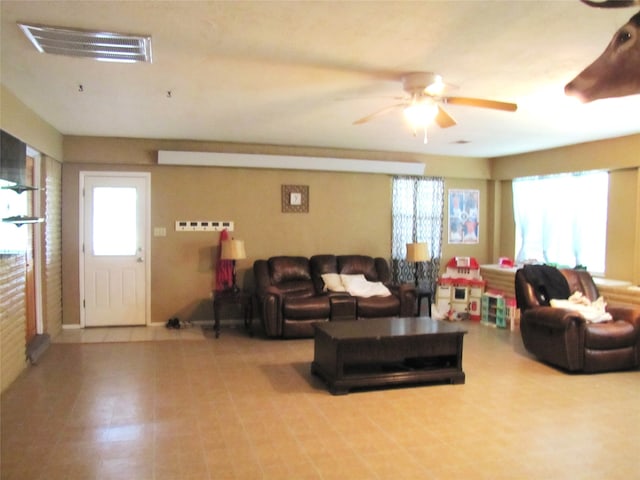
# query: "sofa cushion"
296,288
378,306
354,264
286,269
305,308
581,281
320,264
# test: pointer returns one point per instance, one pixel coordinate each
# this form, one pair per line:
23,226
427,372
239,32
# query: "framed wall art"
464,216
295,198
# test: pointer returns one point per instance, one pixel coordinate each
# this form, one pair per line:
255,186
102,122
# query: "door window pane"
114,221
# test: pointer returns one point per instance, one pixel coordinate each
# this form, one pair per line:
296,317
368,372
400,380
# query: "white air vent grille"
106,46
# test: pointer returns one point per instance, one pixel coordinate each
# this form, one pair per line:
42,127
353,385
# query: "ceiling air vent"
105,46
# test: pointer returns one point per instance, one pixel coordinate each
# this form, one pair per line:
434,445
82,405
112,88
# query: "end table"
229,297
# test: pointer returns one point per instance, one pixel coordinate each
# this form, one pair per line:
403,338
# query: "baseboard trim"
74,326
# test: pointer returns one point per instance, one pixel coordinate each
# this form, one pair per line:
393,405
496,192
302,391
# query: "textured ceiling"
300,73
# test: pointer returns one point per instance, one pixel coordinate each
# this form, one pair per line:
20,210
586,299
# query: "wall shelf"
18,188
19,220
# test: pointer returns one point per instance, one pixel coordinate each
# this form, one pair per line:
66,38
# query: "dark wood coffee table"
387,351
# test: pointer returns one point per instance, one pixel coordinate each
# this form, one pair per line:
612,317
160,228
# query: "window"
562,219
13,239
417,216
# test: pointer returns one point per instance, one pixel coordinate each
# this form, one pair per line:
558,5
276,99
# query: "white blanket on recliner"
594,312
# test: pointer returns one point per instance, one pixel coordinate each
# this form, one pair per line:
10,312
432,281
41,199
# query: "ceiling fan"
423,103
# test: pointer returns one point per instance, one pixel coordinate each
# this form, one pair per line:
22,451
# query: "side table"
240,299
424,293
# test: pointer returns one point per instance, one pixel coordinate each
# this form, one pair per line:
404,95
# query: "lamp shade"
233,250
418,252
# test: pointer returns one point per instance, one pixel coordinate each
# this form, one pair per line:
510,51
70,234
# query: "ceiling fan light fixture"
436,87
421,113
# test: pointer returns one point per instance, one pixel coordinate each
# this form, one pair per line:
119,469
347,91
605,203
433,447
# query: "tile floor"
197,408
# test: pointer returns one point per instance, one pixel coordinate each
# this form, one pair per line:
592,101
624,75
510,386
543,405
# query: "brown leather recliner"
562,337
291,296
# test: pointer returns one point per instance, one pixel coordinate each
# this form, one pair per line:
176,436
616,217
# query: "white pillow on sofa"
359,286
332,282
350,280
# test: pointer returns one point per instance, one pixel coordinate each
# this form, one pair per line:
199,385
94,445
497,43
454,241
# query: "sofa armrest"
407,294
627,314
269,307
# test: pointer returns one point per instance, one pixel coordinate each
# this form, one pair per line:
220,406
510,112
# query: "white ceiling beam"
287,162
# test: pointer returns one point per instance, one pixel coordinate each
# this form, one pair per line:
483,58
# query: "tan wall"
506,240
623,223
620,157
348,213
102,150
612,154
21,122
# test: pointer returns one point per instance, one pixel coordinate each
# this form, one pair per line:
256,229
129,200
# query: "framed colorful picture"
464,216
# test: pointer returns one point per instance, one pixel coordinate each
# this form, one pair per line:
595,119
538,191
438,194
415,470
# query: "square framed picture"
295,198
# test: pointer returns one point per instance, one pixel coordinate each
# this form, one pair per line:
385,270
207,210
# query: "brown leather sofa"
291,294
562,337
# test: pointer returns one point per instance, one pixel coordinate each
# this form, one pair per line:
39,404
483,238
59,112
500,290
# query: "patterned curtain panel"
417,216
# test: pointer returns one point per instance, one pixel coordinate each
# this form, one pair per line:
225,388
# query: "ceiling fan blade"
481,102
443,119
373,115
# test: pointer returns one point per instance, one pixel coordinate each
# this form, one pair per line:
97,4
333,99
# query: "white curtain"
417,216
562,219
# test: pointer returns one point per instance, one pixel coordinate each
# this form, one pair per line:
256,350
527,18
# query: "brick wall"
52,272
12,318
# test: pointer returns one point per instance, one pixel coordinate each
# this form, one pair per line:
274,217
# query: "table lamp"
417,252
233,250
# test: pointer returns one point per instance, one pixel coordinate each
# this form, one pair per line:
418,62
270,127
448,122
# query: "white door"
114,226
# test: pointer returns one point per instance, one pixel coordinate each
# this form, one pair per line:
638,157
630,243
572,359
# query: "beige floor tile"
153,403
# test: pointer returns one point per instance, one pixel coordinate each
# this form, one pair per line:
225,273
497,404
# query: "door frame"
146,176
37,243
